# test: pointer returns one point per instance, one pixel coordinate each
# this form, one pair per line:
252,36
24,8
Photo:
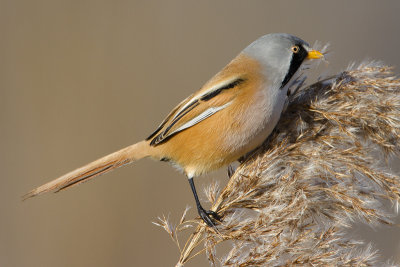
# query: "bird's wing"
213,97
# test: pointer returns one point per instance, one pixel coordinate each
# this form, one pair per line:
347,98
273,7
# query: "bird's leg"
231,170
204,214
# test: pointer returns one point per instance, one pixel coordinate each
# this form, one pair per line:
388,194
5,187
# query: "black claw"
205,215
214,215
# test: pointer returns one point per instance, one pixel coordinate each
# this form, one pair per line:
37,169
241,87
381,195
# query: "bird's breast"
231,132
254,120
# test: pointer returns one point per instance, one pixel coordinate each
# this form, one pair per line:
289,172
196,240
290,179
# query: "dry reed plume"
290,202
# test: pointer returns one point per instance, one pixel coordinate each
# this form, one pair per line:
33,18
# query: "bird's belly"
250,131
221,139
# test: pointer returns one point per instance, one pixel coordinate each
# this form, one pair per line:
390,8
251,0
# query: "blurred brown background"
80,79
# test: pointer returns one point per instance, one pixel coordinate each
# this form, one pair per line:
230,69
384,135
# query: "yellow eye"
295,49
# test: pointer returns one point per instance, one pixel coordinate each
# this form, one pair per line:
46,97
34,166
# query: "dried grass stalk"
324,166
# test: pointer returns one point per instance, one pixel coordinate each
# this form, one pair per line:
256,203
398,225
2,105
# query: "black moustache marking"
295,63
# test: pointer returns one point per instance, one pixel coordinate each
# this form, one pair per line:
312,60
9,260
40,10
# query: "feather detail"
200,107
93,169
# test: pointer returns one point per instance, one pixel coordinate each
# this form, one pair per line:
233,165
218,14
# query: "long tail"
93,169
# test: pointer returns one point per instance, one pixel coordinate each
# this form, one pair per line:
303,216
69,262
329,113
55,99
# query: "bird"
231,115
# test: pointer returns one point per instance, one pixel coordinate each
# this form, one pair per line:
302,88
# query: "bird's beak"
314,54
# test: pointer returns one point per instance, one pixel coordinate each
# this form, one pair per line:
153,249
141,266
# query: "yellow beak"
314,54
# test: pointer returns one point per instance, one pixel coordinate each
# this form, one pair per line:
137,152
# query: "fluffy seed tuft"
325,165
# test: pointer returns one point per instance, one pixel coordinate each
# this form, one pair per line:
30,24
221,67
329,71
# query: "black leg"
204,214
231,171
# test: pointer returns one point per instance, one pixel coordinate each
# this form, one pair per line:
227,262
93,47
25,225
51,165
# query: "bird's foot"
209,217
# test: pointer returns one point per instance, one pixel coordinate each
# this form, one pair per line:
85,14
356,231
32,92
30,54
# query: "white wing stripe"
201,117
212,88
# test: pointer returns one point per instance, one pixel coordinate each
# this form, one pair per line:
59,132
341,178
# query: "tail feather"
93,173
93,169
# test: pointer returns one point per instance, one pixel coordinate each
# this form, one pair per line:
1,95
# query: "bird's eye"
295,49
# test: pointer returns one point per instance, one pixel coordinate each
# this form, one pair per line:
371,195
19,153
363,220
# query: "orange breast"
226,135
